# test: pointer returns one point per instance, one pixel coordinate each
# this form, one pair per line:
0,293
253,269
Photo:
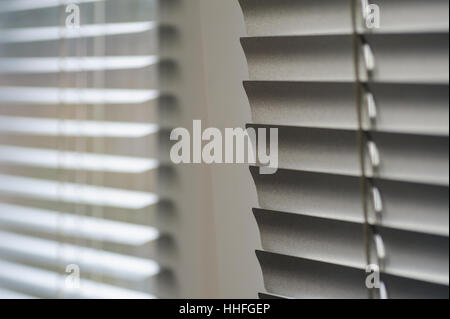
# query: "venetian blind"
340,92
78,149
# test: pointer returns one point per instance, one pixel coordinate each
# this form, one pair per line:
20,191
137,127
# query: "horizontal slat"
416,256
42,95
410,58
317,150
143,43
293,17
410,158
53,253
115,74
46,13
309,17
300,58
413,158
414,207
52,222
74,128
141,147
319,195
23,5
84,31
75,193
9,294
303,278
121,79
270,296
142,182
56,65
399,58
412,16
49,284
303,104
74,161
146,113
410,255
413,109
319,239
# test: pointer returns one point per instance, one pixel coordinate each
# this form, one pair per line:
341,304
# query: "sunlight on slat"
85,31
75,193
54,127
92,221
23,5
55,65
47,252
41,95
39,220
76,161
9,294
33,280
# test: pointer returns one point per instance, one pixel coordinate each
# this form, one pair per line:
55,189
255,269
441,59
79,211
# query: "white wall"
217,234
234,193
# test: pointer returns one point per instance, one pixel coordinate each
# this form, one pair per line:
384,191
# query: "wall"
216,234
234,193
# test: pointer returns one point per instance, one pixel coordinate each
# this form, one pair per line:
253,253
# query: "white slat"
36,281
46,221
24,5
85,31
75,193
42,95
9,294
46,252
75,161
56,65
62,127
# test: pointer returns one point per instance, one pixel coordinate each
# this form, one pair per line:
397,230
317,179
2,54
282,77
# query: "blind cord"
361,133
368,150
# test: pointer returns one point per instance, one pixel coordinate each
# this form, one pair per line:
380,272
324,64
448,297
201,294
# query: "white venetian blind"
78,149
388,104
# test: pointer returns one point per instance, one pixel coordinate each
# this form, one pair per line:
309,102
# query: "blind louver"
324,203
78,149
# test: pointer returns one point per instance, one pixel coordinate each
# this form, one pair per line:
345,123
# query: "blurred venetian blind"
78,143
363,145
